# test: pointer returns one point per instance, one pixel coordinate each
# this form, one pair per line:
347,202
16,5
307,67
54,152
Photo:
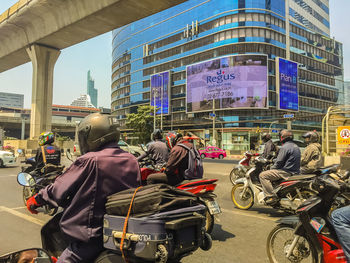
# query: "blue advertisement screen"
160,92
288,85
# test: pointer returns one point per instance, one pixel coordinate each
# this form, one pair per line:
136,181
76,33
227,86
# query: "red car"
212,152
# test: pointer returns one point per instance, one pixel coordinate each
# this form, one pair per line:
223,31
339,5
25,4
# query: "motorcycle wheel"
209,222
245,202
279,241
234,175
207,242
161,254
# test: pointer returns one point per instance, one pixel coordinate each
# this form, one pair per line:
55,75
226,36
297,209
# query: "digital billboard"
287,85
160,93
239,81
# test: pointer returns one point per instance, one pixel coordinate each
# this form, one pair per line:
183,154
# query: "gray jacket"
157,151
82,189
288,158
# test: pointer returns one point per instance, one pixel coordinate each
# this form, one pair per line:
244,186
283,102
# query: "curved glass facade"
198,31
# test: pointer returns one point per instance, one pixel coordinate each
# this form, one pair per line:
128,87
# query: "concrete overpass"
36,30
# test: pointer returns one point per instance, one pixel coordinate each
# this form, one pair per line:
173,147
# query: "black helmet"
266,137
96,130
157,135
312,137
286,135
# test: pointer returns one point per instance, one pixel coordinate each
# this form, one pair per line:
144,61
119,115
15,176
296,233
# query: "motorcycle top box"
159,237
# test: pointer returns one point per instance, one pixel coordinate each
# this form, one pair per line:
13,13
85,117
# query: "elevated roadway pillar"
43,60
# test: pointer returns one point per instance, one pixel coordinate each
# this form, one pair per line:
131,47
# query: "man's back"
52,155
82,190
158,152
178,159
288,158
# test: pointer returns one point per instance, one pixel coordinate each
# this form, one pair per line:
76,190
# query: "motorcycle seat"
301,177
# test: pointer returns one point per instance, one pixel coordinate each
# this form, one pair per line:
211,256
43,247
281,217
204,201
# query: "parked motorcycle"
291,192
203,188
54,241
242,167
310,236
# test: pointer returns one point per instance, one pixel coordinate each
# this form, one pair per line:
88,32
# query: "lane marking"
249,215
21,215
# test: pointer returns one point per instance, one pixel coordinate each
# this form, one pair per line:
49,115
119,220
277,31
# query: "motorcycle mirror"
35,255
25,179
69,155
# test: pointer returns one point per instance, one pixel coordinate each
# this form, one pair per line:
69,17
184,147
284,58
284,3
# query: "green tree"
142,123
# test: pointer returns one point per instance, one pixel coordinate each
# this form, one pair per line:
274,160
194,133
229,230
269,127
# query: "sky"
70,75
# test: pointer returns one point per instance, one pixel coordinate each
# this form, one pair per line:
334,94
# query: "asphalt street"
238,236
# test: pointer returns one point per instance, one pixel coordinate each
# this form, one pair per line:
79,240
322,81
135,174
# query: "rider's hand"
32,204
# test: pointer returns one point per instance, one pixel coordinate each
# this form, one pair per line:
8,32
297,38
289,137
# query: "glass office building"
196,32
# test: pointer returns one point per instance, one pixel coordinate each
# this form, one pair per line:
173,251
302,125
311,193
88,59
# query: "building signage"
343,135
288,116
287,85
160,92
233,82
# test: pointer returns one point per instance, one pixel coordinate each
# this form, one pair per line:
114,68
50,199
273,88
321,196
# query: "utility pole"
154,109
1,137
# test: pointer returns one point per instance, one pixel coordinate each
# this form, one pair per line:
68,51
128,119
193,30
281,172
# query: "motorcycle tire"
207,242
209,222
234,175
303,250
242,203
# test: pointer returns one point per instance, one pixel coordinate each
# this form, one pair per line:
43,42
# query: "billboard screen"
160,93
239,81
287,84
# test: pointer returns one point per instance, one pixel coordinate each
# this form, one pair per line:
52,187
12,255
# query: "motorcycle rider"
47,153
82,189
311,157
270,148
157,149
341,223
177,163
287,164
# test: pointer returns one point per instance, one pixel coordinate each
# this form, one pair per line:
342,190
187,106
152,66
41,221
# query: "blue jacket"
288,158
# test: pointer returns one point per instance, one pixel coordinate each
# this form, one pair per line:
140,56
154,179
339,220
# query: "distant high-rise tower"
91,91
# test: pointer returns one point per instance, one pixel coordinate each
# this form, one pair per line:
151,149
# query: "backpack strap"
184,146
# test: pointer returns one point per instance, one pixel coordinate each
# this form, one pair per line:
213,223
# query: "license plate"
213,207
317,223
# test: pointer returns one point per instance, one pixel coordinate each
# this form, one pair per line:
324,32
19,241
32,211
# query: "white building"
83,101
11,100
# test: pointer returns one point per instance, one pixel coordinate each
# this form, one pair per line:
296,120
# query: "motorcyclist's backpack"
195,165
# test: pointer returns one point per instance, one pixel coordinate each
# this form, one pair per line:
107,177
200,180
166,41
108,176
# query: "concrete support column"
43,61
